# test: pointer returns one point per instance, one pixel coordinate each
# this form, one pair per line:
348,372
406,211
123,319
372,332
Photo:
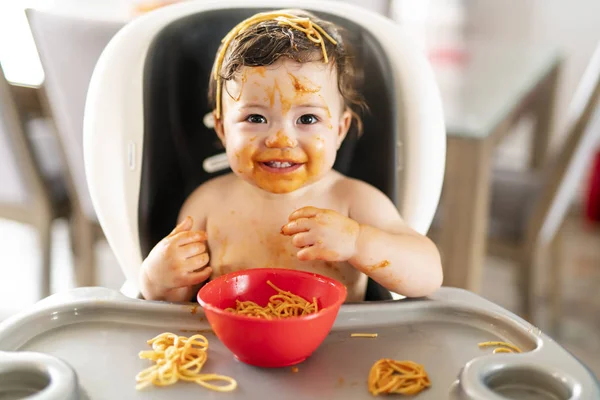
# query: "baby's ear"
219,128
344,126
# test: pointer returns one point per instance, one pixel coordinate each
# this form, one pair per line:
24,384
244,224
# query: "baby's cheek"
240,158
321,155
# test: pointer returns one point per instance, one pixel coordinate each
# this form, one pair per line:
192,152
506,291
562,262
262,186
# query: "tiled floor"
580,326
19,265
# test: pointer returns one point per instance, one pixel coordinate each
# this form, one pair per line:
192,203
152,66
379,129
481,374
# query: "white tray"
99,332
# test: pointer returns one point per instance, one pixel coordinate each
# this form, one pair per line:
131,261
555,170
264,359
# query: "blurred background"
519,220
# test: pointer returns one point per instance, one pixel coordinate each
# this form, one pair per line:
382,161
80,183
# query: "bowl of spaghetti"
272,317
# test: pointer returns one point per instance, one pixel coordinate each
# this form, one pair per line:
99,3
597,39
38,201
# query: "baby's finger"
307,254
185,225
304,212
196,262
297,226
192,250
317,252
303,239
195,278
183,238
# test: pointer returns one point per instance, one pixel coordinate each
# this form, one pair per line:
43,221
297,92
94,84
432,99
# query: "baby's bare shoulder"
208,194
353,189
215,186
366,203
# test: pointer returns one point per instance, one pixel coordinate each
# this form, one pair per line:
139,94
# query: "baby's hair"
265,42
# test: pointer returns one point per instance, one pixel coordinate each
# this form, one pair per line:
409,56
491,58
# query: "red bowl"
278,342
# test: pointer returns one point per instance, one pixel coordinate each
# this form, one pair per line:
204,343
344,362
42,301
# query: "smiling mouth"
280,166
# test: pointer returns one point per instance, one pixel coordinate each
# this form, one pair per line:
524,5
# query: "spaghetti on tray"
402,377
179,358
501,347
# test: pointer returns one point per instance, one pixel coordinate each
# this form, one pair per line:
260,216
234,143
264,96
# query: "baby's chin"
281,185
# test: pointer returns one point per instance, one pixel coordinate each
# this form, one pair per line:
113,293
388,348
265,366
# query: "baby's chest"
250,241
247,242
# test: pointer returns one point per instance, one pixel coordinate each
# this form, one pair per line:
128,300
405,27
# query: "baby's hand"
178,260
322,234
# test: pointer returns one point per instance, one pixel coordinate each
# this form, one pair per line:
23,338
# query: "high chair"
147,144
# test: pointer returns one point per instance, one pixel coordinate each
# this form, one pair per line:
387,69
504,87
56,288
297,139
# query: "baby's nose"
280,140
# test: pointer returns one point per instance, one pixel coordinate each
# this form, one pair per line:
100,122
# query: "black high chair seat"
177,142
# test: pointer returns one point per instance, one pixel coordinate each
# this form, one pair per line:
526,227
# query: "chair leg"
83,251
526,285
555,283
73,237
45,238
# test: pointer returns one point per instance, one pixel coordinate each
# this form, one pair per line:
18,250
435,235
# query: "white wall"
379,6
572,25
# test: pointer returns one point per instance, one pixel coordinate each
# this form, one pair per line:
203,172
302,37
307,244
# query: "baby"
284,97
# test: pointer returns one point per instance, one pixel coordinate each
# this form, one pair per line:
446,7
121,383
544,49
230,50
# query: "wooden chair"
32,189
528,208
69,48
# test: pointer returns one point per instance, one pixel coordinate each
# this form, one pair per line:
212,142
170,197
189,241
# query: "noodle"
179,358
364,335
402,377
503,347
281,305
312,31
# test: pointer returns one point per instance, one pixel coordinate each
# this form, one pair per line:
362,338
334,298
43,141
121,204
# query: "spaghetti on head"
264,38
313,32
281,305
179,358
402,377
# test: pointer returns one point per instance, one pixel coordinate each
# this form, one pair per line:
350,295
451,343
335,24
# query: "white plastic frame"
113,122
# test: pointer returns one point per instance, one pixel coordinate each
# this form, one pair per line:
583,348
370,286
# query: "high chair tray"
87,340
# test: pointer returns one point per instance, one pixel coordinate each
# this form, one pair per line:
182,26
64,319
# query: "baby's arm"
374,239
388,250
177,266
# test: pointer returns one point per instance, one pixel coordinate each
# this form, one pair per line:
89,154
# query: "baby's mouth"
280,166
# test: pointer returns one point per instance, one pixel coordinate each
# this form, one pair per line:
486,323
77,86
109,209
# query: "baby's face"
282,124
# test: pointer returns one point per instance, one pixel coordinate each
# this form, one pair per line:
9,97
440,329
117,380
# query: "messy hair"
264,43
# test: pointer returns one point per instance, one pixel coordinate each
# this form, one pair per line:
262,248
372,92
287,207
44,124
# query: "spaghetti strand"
503,347
283,304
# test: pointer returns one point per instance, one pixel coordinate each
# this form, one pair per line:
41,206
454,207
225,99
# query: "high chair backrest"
147,145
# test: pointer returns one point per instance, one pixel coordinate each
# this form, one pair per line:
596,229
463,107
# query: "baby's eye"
256,119
307,119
